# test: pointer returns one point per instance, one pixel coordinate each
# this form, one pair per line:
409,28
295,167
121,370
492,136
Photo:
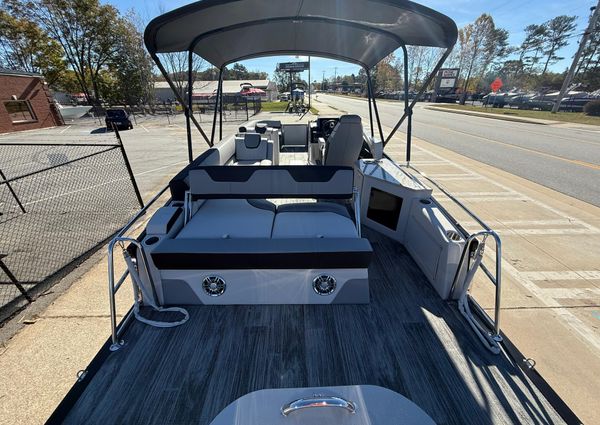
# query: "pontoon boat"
298,275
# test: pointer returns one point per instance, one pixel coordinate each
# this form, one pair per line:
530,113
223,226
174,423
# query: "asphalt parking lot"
551,253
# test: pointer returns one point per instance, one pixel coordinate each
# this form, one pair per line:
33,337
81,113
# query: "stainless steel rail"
114,287
495,278
317,401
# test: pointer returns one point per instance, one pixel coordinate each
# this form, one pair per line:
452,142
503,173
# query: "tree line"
483,53
78,46
84,46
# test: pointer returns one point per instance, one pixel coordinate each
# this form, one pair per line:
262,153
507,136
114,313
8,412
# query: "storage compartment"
384,208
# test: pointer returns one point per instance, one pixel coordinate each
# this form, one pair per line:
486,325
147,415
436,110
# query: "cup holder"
425,201
152,240
453,236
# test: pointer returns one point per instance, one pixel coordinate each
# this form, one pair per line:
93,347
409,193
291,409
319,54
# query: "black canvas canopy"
358,31
362,32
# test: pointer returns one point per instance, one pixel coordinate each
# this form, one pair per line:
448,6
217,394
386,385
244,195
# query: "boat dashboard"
322,127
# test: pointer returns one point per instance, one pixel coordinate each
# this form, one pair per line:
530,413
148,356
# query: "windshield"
116,113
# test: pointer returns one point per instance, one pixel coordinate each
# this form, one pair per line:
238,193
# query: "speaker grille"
214,285
324,284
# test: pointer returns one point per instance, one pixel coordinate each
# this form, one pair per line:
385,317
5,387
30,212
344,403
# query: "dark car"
117,118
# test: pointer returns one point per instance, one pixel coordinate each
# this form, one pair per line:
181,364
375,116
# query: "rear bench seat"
293,251
233,218
219,218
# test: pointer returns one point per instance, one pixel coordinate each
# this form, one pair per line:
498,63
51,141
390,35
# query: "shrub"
592,108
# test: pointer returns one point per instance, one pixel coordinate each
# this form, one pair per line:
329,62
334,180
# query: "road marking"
563,275
147,131
65,129
565,316
549,155
160,168
450,175
572,293
569,319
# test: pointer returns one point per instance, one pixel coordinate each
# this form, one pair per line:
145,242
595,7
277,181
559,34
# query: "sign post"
293,68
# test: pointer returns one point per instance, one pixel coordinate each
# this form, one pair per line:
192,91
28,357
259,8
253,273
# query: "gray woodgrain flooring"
406,339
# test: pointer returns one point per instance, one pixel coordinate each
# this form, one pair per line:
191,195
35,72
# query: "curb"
495,116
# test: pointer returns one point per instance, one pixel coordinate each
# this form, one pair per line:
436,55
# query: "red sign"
496,84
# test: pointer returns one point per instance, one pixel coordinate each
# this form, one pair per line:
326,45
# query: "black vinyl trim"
272,195
300,173
174,218
242,254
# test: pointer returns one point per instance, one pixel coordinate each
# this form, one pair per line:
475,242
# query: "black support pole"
370,110
407,109
214,126
419,94
178,96
189,112
136,189
374,105
221,107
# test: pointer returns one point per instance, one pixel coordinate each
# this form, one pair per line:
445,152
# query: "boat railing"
114,285
491,335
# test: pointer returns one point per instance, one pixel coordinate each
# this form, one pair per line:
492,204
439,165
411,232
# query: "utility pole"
584,39
335,77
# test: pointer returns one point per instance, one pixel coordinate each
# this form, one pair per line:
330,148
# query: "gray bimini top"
358,31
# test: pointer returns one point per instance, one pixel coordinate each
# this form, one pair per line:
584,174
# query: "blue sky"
512,15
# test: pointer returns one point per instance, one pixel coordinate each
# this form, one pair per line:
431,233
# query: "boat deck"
406,339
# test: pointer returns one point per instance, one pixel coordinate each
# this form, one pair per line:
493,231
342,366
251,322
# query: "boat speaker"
324,284
214,285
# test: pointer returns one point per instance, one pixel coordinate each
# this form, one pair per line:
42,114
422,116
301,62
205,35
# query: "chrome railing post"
116,344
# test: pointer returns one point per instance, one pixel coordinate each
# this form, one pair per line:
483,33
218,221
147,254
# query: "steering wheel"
328,127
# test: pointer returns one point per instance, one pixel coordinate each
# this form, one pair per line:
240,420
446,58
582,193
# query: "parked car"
119,118
494,100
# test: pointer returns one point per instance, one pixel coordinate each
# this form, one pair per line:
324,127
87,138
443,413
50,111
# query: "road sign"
446,80
293,66
496,85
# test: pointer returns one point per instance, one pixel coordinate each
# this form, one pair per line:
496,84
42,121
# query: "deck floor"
406,339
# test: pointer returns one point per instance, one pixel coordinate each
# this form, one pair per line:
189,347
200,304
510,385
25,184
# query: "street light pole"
584,39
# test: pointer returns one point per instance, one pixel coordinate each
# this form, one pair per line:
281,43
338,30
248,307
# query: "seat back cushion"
251,147
345,142
295,134
256,182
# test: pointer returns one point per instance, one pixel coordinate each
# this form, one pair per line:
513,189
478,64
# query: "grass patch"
314,110
273,106
574,117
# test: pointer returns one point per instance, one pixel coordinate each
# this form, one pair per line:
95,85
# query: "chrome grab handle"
317,401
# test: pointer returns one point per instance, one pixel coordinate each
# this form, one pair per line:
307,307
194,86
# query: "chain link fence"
57,203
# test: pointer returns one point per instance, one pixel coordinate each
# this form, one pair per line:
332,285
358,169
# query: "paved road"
564,159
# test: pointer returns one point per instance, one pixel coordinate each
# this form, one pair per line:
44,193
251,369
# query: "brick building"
25,102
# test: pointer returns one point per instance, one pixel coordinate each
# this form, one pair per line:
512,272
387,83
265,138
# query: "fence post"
13,279
12,192
129,170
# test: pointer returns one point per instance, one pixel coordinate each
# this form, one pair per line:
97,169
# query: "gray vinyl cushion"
229,218
345,142
251,147
315,207
312,225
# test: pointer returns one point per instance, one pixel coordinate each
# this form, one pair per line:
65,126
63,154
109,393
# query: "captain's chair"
345,142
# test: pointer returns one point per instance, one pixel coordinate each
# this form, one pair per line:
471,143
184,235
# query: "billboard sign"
292,66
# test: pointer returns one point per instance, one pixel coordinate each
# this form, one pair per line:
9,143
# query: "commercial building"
25,102
204,89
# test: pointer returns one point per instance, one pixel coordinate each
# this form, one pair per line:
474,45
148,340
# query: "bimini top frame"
362,32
